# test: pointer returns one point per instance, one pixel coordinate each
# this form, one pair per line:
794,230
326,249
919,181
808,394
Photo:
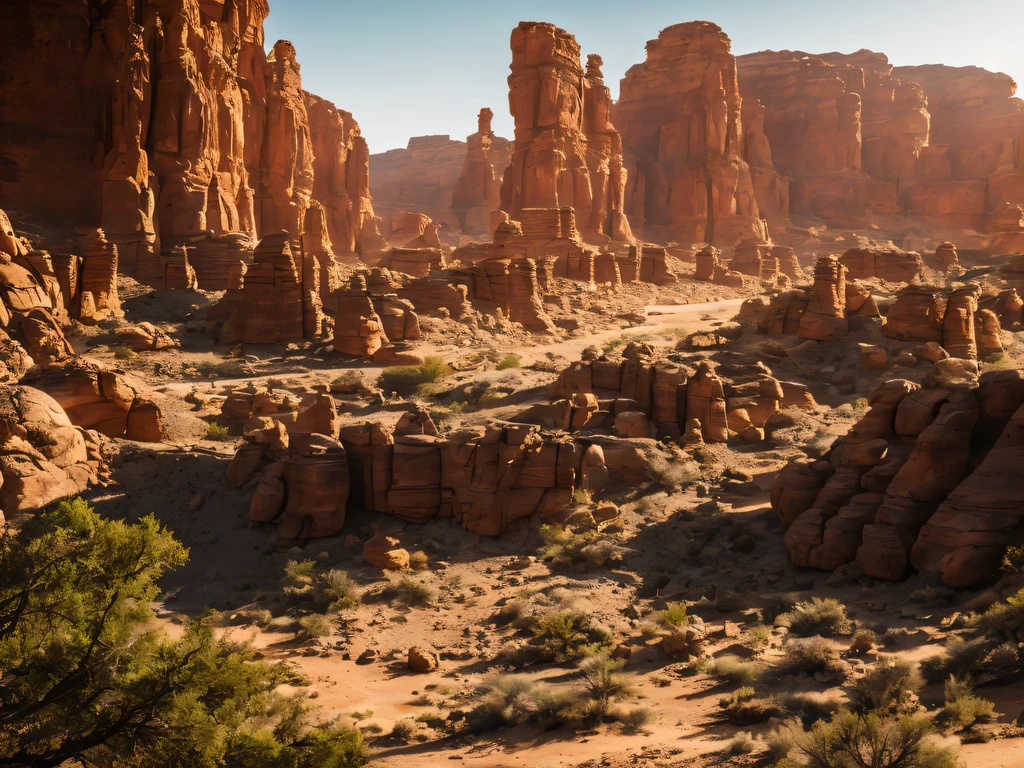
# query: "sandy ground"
676,549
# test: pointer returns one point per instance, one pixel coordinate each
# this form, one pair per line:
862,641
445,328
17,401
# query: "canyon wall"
863,142
682,124
165,120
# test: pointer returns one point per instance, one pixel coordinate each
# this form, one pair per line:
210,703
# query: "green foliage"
403,729
582,497
410,592
816,616
334,591
601,679
84,679
674,615
1004,621
961,658
812,655
217,433
1013,560
568,633
515,699
511,360
745,707
870,740
406,379
886,686
124,354
963,708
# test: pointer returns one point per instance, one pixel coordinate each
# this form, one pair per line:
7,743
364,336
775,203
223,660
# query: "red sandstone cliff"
477,193
681,119
162,120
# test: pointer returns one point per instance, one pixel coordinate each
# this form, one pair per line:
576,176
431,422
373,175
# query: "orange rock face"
923,480
681,119
566,150
174,124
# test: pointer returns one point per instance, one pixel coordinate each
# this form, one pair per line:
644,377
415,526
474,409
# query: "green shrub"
217,433
582,497
817,616
315,626
1013,560
601,679
403,729
852,740
334,591
963,708
124,354
511,360
1004,621
745,707
886,686
674,615
406,379
411,592
735,670
563,547
863,641
567,633
811,705
812,656
759,639
961,658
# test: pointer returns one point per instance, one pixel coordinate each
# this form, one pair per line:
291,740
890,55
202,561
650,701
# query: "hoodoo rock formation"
174,125
477,193
566,150
923,480
681,119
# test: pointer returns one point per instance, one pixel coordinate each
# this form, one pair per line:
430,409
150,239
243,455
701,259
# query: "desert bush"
411,592
298,577
568,633
403,729
601,678
516,699
735,670
562,547
893,636
1003,621
315,626
581,496
812,655
817,616
1013,560
744,707
635,719
511,360
124,354
419,561
759,639
217,433
674,615
333,591
886,686
741,744
1004,655
670,472
863,641
811,706
781,741
963,708
961,658
407,378
850,740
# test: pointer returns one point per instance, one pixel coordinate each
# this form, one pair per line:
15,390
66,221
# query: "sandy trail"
690,317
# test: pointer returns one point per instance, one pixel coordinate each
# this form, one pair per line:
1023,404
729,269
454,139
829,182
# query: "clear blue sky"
415,67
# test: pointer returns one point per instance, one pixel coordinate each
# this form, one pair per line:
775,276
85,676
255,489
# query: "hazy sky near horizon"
417,67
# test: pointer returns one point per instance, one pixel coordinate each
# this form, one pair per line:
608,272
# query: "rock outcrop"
953,320
681,119
891,265
477,192
566,151
165,122
921,480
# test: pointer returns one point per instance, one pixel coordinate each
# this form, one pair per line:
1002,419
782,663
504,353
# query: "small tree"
81,678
